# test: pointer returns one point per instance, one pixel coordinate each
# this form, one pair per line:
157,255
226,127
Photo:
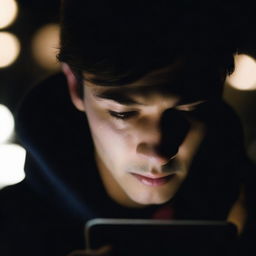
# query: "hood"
60,162
58,144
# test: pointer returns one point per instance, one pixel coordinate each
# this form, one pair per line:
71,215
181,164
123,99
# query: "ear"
73,87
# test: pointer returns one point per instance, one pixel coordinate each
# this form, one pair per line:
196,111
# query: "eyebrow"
117,97
125,99
193,103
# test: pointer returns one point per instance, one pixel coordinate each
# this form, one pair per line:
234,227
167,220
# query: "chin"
152,200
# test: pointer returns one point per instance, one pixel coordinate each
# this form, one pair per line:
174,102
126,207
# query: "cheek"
107,134
191,144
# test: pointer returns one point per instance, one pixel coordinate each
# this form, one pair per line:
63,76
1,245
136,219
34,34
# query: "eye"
122,115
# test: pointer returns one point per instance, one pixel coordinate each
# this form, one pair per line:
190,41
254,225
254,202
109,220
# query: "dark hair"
121,41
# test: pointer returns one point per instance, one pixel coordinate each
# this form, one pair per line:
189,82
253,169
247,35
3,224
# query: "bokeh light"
6,124
244,76
45,46
8,12
9,49
12,160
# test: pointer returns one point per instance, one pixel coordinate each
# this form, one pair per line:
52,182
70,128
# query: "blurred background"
29,43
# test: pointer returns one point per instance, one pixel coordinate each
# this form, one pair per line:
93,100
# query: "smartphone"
162,237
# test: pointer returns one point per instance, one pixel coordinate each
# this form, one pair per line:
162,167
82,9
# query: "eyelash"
122,115
129,114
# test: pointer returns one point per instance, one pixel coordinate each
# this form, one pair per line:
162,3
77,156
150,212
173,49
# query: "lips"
153,181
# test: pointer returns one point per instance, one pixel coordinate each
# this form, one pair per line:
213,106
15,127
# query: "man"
136,127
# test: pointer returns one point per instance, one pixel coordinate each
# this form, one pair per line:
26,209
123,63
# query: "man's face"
144,139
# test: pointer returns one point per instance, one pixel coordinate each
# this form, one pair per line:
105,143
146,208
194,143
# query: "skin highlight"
126,146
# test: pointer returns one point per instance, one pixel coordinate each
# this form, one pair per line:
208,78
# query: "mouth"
153,181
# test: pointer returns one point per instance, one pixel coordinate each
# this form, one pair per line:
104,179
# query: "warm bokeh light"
9,49
12,160
8,12
45,46
244,76
6,124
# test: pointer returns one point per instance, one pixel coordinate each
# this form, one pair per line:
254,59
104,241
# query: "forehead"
174,80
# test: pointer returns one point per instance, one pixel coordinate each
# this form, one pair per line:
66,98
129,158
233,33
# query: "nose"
161,139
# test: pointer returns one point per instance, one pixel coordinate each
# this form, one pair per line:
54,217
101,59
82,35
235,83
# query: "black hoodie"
45,214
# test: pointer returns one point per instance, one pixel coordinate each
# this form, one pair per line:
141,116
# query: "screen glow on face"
145,133
127,135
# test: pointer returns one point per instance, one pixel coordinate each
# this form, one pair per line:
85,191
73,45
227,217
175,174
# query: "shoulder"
19,204
31,226
16,215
